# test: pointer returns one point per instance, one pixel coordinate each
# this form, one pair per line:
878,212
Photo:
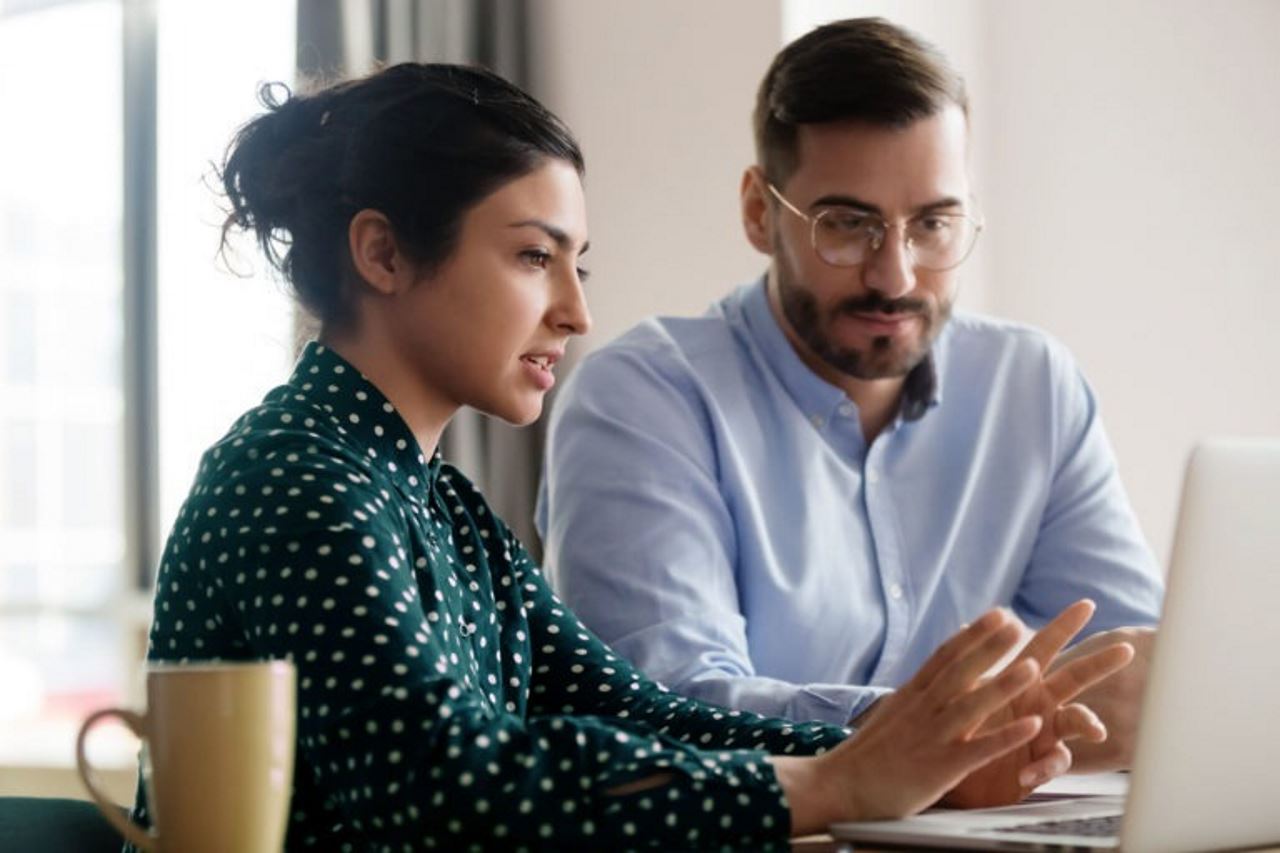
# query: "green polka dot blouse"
447,698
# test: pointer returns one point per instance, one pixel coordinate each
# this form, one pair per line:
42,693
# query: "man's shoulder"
668,335
980,336
672,348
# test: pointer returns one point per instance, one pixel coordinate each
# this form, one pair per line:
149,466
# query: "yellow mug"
218,744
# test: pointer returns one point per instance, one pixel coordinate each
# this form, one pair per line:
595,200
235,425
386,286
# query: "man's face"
878,319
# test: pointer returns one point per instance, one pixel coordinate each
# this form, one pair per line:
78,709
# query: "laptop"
1206,772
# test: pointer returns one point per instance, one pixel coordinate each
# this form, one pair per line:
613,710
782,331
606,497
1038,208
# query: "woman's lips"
538,369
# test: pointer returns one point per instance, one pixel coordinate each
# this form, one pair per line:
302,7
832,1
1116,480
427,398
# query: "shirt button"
846,409
872,476
895,591
466,629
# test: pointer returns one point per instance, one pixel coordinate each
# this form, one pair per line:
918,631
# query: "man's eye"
847,223
583,275
934,224
536,258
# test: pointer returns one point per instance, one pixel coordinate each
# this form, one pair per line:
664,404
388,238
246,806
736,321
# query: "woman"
432,218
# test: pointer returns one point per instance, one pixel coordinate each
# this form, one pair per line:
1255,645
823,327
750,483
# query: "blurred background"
1124,154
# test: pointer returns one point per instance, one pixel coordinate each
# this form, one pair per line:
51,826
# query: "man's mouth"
881,322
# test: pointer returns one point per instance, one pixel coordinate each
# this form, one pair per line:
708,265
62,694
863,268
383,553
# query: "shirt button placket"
880,514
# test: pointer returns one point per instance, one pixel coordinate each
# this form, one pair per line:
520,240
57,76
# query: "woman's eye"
536,258
583,275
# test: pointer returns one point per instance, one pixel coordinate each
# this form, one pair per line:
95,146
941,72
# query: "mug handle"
132,832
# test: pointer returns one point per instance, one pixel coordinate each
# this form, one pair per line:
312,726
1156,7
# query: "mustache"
874,303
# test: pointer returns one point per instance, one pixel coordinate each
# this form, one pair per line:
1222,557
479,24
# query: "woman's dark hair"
860,69
421,143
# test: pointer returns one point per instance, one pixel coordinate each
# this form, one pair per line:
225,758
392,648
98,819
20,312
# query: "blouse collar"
363,415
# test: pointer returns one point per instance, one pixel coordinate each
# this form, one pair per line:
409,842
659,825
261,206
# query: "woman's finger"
967,713
1071,679
1079,722
963,671
1054,636
1052,764
957,646
972,754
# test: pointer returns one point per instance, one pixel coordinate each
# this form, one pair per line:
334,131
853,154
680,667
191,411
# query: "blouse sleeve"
394,725
575,673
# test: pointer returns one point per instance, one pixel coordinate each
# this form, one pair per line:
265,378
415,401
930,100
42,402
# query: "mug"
218,744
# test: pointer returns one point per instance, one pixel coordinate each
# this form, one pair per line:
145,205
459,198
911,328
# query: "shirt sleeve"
1089,543
395,728
631,511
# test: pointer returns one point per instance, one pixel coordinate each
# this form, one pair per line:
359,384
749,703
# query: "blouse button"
466,629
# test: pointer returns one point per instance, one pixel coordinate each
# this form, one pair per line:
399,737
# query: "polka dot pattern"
447,698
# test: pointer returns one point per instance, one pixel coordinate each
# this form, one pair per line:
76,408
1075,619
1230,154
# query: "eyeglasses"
847,236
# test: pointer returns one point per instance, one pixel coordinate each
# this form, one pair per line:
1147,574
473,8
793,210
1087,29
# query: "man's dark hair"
862,69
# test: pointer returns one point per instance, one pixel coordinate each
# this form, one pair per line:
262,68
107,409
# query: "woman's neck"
425,410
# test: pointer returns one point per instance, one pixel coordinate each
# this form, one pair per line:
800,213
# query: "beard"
885,357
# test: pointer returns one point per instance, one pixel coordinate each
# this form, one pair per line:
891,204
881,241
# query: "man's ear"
757,220
375,254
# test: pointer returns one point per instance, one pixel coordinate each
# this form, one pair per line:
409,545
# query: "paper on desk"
1086,785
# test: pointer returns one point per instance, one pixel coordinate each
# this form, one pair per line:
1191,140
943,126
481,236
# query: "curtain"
338,38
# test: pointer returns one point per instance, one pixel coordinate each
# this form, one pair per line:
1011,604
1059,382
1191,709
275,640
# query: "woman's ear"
376,254
756,219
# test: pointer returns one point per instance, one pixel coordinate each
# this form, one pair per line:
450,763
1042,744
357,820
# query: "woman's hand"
1012,776
923,739
1116,701
951,730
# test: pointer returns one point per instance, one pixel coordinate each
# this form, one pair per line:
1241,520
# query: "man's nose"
889,269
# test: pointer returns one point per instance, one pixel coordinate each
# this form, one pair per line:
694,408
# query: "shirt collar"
365,417
815,396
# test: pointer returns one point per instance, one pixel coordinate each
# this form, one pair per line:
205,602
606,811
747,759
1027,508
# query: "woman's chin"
518,413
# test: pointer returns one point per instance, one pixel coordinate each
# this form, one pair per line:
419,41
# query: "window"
72,611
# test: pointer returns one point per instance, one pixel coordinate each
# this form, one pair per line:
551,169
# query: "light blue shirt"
711,508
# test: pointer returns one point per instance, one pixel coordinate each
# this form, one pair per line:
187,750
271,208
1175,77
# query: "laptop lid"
1207,767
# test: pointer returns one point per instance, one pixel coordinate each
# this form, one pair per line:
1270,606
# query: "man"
786,504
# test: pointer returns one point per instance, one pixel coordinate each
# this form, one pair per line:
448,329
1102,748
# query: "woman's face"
487,326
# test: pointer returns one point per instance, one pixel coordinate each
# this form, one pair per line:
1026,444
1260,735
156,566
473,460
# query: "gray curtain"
339,38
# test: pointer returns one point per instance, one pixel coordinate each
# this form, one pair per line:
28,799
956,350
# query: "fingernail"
1028,778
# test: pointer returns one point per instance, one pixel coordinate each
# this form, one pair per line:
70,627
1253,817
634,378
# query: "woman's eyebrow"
558,235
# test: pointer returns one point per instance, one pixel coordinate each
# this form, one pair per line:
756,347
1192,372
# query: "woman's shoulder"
284,440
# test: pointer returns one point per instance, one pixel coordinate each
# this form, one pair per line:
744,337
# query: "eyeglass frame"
977,224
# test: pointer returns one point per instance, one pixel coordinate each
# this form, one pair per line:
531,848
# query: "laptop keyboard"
1095,827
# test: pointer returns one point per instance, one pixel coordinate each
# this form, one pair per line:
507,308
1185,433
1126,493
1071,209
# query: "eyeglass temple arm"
788,205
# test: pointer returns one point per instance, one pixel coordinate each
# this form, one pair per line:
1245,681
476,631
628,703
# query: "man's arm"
1090,545
641,541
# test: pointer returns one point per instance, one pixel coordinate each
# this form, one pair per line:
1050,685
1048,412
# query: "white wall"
1125,157
1132,186
660,95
